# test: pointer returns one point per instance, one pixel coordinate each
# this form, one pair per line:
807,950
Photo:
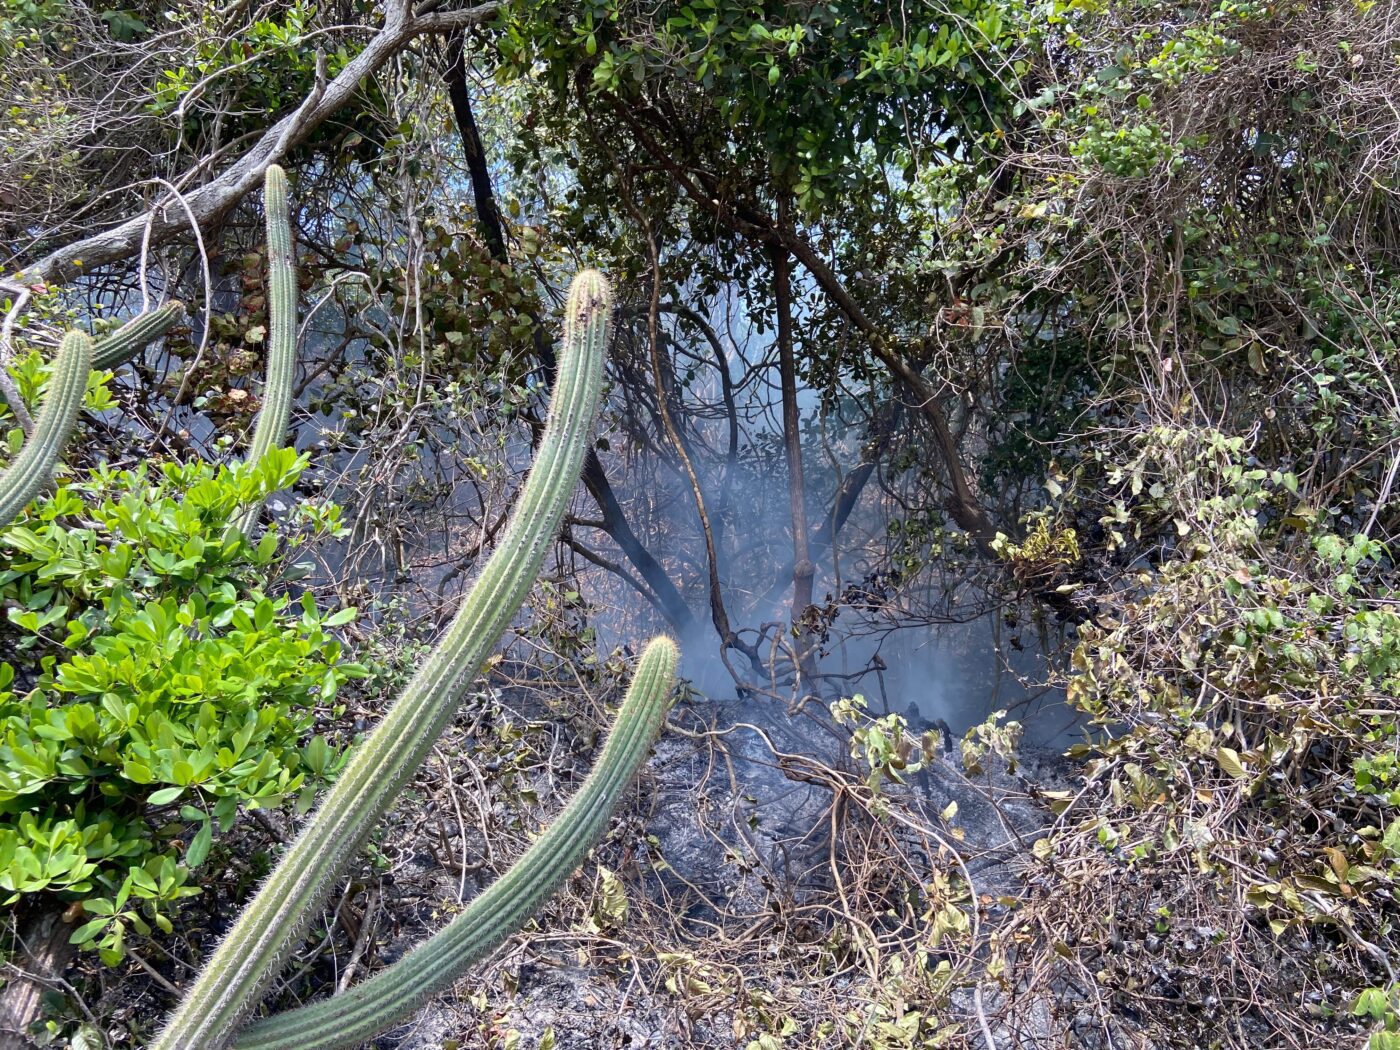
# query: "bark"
43,956
488,216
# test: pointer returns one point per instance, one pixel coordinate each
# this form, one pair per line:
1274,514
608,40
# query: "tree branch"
962,502
213,200
663,592
488,216
803,570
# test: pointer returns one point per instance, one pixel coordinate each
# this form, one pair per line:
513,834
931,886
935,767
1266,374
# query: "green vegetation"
1000,407
158,682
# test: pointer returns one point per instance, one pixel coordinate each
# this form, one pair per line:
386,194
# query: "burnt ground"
721,840
736,871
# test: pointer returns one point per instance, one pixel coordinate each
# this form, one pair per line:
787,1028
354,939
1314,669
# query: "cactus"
247,959
33,468
271,425
119,347
393,994
77,356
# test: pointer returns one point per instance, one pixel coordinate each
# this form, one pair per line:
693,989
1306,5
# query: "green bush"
1241,810
158,678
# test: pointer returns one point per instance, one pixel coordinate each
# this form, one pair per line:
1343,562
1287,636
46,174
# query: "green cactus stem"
393,994
33,468
270,428
270,926
117,348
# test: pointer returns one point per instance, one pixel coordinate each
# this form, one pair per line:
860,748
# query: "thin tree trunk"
725,509
43,954
595,478
488,218
719,616
803,570
847,494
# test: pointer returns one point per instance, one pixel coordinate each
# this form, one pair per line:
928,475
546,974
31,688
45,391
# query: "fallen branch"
213,200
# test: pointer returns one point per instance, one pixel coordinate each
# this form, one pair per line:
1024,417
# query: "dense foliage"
163,682
1075,321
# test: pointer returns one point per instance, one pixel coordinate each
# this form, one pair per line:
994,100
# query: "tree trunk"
803,570
42,954
595,478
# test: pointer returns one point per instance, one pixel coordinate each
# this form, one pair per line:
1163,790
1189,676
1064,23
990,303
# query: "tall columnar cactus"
243,964
393,994
33,468
117,348
270,427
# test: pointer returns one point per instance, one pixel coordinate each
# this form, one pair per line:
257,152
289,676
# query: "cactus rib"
119,347
270,428
432,967
33,467
247,959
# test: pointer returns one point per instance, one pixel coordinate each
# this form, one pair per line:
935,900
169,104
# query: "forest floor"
724,908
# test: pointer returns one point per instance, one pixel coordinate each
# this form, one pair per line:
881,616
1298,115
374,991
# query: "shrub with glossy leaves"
160,675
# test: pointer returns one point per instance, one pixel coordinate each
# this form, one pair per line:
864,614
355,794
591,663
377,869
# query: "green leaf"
1372,1002
342,617
1229,760
199,845
85,933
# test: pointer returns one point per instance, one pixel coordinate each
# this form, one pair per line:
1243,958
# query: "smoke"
923,644
921,641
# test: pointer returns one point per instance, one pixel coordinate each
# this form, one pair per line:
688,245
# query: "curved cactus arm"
393,994
270,428
117,348
271,924
33,468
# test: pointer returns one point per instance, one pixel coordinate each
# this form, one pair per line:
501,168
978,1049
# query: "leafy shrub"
1382,1006
158,677
885,743
1241,812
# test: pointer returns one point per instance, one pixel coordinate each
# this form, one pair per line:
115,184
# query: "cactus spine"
271,425
33,468
119,347
393,994
247,959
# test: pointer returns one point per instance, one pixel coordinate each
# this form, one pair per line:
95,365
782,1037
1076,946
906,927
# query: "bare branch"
213,200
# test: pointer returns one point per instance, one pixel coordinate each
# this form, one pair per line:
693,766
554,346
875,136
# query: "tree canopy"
1059,331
